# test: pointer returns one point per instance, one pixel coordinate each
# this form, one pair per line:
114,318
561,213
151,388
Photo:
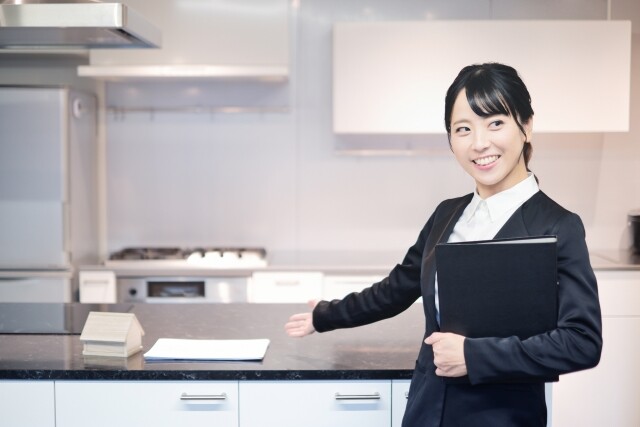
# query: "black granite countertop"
384,350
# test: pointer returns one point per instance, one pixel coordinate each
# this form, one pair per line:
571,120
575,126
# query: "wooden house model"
111,334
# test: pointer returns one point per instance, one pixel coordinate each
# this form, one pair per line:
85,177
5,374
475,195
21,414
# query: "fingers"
298,316
433,338
299,325
448,354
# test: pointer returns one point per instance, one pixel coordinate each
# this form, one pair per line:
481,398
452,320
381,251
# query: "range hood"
65,24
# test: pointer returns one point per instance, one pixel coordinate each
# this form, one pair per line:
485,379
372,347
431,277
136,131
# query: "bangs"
490,89
486,99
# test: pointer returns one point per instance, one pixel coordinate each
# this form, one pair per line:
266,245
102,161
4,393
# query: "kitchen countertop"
367,263
384,350
615,260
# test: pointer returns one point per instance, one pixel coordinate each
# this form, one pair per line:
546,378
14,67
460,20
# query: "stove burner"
173,253
148,253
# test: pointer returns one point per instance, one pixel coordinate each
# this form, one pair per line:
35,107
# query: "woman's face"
488,148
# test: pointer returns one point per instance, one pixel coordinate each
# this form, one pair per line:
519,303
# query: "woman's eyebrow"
457,122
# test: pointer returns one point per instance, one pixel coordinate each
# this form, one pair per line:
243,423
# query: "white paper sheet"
190,349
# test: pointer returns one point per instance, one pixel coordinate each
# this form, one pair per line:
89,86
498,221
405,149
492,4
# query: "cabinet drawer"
284,287
27,403
172,403
400,394
35,289
337,287
315,403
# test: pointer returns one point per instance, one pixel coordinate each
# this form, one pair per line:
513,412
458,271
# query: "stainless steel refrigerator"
48,191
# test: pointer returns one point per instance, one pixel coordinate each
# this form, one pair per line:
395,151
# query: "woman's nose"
480,141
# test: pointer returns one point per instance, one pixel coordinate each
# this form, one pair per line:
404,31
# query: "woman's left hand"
448,354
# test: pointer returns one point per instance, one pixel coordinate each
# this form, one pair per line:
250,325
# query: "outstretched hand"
301,324
448,354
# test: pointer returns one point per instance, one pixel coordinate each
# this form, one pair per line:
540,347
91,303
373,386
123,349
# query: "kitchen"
175,169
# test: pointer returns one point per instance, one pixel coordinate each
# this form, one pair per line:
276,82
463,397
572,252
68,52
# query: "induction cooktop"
50,318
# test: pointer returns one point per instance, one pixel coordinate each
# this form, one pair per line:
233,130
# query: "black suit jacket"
495,396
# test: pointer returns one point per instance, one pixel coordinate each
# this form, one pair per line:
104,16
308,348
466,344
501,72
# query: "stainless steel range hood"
31,24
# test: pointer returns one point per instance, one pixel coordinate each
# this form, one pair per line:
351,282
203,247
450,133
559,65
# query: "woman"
489,119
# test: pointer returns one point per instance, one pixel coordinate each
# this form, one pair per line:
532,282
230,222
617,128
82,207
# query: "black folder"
498,288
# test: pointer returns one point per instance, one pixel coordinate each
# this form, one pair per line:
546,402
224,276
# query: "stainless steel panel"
182,289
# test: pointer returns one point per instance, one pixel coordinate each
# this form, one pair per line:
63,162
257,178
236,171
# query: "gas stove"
208,257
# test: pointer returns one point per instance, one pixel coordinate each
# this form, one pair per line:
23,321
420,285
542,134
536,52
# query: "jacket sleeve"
382,300
574,345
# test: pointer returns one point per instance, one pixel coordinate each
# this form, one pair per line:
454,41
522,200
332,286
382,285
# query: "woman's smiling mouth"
484,161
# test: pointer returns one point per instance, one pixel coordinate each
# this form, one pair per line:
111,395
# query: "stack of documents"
193,349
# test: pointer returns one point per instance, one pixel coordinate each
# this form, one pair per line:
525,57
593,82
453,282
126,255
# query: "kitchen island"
384,350
346,377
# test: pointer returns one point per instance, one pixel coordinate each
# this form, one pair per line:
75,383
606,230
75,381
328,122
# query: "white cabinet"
315,403
284,287
27,403
392,77
214,38
153,403
14,288
337,287
48,203
608,394
98,287
399,396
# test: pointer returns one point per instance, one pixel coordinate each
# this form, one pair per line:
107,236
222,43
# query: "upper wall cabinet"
392,77
205,39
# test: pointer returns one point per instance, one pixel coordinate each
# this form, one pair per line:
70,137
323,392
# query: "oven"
181,289
172,274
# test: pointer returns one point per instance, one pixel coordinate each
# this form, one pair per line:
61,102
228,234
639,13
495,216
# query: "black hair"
492,88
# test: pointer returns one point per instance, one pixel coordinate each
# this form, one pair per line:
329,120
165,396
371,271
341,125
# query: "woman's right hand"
301,324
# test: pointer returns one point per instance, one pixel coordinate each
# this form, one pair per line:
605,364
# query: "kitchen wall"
284,181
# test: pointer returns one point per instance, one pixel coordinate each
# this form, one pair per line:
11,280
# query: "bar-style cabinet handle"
201,397
372,396
285,282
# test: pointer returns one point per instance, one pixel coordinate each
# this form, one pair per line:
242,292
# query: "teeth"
486,160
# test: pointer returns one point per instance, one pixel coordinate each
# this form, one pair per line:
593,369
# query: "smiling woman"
492,380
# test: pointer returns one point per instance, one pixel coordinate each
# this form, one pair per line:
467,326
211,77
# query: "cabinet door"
284,287
33,178
400,394
391,77
619,292
27,403
315,403
154,403
608,394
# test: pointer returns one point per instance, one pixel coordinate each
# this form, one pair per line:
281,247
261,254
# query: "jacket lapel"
442,229
516,225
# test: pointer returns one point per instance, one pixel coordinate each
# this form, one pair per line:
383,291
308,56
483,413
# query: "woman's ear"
528,129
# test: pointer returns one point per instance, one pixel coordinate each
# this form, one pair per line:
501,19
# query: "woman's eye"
496,123
463,129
